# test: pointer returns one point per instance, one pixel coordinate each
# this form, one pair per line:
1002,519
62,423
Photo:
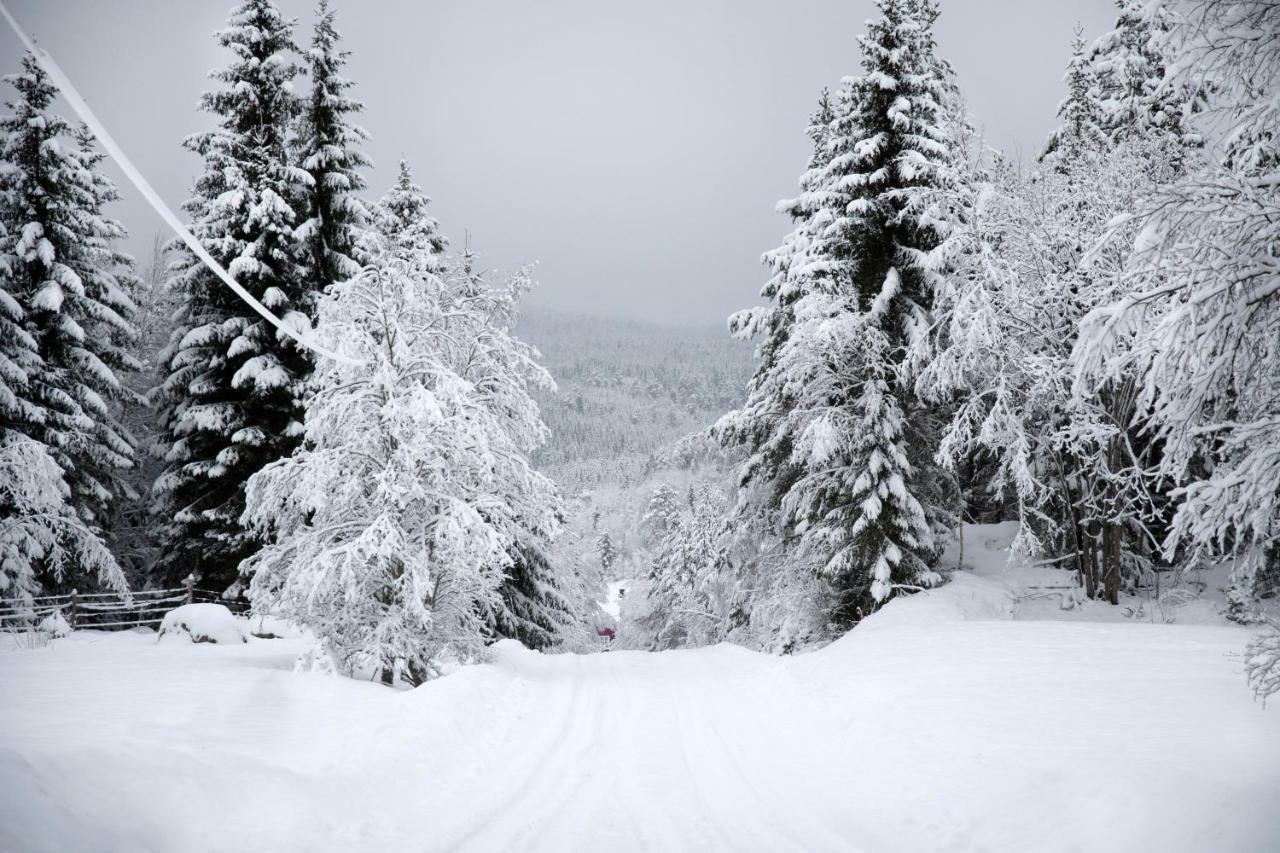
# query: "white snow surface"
954,720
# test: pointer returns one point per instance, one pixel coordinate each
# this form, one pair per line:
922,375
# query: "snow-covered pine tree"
606,552
1197,321
1129,65
69,290
107,454
329,150
396,521
688,590
404,210
850,507
232,401
661,514
1081,130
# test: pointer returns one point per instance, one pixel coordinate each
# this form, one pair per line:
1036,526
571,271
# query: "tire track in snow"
711,817
533,756
565,771
763,809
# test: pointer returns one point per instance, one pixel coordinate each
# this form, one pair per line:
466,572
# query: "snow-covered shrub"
204,623
1262,661
394,523
54,625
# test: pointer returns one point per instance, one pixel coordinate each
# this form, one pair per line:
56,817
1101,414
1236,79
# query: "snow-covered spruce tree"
540,605
1198,320
404,209
1129,65
110,455
392,527
1080,133
43,540
606,552
329,150
687,593
848,493
232,400
69,291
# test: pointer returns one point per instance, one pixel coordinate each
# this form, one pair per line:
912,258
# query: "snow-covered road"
919,731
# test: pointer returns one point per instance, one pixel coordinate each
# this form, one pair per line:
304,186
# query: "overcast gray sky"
634,150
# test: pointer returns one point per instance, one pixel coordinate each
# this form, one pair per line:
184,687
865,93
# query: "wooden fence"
109,611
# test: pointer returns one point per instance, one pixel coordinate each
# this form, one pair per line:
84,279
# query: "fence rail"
109,610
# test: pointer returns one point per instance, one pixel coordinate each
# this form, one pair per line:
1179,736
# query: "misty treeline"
1086,343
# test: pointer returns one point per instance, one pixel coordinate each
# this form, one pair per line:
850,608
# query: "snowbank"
204,623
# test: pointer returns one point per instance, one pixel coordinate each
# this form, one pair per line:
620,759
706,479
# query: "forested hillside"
627,390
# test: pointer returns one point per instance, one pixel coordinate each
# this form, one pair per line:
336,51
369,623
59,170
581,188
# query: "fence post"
191,583
74,601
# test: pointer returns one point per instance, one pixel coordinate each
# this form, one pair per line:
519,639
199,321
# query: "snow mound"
55,625
204,623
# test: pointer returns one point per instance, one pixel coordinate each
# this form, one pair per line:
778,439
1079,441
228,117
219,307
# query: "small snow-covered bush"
55,625
1262,661
204,623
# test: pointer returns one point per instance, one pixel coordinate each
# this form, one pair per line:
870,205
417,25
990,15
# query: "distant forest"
627,391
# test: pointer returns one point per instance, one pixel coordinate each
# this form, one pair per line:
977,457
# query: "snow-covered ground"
958,720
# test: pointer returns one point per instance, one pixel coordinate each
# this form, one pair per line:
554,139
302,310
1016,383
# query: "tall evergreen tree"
851,506
232,398
329,151
404,209
105,455
1080,112
68,311
1130,66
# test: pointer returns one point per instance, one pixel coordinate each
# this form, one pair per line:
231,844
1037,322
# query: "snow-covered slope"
940,724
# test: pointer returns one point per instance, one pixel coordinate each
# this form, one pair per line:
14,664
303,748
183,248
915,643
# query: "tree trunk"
1111,563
